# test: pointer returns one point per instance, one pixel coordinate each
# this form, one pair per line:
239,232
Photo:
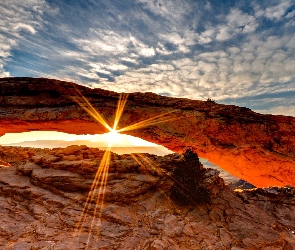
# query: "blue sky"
235,52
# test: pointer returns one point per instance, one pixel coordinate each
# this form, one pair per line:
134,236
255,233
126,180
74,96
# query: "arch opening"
120,144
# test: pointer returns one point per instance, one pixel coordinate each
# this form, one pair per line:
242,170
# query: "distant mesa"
254,147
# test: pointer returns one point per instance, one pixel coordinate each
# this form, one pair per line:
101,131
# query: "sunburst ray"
100,197
120,108
87,106
165,117
96,189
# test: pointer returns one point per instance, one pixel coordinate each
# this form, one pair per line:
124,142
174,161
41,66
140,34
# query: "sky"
235,52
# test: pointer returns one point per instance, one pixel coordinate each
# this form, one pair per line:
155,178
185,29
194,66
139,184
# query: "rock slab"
43,193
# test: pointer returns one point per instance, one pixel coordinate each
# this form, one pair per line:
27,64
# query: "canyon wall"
255,147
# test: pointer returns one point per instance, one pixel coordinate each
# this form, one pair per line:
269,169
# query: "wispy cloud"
18,19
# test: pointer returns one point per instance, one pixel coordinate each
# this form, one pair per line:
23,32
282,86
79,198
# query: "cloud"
170,11
290,14
236,22
277,11
21,26
17,18
148,52
176,22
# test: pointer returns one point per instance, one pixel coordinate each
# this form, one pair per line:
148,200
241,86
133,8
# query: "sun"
113,136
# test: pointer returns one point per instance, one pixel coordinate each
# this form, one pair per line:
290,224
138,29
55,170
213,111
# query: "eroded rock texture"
255,147
43,193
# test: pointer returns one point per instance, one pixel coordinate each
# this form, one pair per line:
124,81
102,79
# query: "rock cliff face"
43,192
255,147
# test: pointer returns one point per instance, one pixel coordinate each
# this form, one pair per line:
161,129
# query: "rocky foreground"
148,204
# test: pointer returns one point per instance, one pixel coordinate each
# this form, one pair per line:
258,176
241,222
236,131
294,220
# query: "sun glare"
113,136
120,143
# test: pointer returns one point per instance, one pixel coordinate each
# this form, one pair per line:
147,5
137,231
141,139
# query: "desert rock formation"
255,147
43,192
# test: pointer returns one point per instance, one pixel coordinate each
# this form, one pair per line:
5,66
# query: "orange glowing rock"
255,147
4,164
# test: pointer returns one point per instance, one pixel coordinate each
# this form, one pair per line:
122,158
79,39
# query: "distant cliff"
255,147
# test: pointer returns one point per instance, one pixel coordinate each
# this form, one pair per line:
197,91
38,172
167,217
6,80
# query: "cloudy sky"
235,52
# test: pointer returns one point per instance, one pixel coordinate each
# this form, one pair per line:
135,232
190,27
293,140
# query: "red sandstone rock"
41,202
255,147
4,164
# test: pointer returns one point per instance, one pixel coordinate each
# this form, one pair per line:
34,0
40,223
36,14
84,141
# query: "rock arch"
255,147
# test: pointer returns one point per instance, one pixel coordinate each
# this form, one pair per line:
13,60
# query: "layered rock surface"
255,147
42,195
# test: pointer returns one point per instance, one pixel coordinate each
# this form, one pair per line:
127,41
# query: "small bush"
188,175
211,100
